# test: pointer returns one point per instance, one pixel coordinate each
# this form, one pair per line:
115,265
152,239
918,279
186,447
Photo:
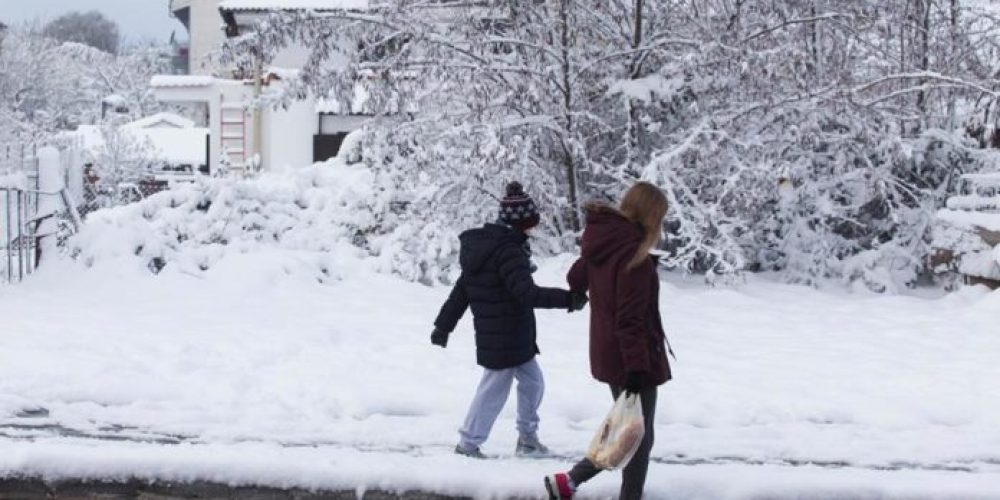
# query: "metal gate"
17,246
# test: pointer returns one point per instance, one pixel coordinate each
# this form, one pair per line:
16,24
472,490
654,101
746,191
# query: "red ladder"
233,136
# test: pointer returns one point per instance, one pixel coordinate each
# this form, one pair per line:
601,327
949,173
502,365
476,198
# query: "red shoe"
559,486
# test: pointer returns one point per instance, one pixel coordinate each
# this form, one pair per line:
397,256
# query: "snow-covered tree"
47,87
89,28
813,137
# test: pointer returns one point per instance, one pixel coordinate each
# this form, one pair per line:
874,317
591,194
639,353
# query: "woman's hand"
577,300
633,382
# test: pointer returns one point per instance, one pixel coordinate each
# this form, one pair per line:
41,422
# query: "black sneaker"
470,452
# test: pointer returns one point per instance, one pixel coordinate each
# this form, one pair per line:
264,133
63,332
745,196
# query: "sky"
137,19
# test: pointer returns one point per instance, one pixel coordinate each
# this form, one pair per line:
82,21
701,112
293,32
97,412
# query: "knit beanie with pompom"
517,209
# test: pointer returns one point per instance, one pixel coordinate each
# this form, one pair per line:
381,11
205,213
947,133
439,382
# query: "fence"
18,251
37,209
18,204
30,211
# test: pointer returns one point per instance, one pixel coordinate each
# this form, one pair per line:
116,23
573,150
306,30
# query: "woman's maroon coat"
626,334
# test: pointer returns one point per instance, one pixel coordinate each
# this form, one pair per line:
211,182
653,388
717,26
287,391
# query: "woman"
626,335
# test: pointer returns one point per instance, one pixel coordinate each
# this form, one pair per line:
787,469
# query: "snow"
646,89
359,103
174,145
13,181
115,100
293,4
266,376
983,264
970,220
974,202
271,348
986,179
181,146
180,81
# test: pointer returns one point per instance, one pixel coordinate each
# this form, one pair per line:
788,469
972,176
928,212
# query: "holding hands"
577,300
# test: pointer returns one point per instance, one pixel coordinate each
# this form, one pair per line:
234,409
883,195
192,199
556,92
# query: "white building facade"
242,139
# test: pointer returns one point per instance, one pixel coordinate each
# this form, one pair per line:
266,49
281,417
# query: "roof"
236,5
181,81
161,120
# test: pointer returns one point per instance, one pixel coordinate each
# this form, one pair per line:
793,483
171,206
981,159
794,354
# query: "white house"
205,34
243,139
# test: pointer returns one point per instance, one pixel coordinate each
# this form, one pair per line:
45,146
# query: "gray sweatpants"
491,396
634,474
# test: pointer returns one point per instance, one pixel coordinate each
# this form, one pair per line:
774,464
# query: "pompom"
515,189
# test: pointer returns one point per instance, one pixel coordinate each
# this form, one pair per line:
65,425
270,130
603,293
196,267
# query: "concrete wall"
288,135
206,35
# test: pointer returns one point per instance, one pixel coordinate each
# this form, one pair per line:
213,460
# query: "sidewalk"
38,489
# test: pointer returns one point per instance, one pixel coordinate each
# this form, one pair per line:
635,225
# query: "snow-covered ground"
253,373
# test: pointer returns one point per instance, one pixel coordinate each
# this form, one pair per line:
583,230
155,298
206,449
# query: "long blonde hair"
645,205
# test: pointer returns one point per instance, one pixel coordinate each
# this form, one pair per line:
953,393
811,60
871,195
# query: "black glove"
439,337
577,300
633,382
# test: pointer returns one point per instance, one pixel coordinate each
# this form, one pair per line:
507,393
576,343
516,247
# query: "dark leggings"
634,474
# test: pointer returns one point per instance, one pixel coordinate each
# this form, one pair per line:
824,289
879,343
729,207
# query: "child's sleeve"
515,271
453,308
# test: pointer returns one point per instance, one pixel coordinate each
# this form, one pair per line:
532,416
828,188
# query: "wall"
206,35
288,135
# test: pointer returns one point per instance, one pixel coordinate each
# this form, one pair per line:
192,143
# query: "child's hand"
577,300
439,337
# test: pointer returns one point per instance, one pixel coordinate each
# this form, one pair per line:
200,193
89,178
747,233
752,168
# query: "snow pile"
983,264
647,89
195,226
974,202
309,219
969,220
970,236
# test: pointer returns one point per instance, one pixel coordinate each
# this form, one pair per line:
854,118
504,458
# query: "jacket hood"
608,233
479,244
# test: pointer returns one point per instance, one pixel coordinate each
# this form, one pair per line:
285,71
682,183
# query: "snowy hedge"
316,213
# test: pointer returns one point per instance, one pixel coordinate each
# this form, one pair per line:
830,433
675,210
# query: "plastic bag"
620,435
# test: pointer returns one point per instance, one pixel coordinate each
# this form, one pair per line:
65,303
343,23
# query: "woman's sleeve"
577,277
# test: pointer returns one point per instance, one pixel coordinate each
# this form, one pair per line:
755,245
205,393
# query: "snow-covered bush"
386,209
314,210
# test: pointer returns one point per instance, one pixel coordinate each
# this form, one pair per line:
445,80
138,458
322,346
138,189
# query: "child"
496,283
